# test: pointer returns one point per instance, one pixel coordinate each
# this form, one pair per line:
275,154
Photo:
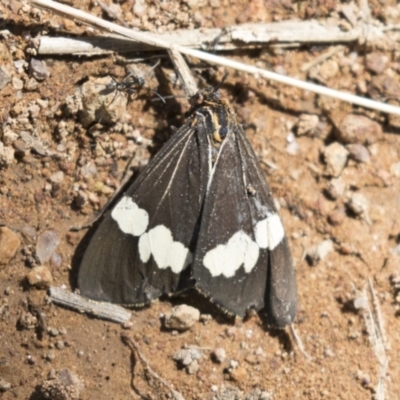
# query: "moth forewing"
281,291
143,247
241,236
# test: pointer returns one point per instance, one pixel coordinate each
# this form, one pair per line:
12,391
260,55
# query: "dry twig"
247,36
136,349
375,328
111,312
299,342
211,58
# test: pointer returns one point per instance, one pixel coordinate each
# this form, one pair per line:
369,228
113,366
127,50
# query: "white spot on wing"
130,218
226,259
181,257
166,252
161,242
144,247
269,232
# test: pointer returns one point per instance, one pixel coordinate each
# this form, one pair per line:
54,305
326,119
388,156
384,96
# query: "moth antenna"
154,66
226,74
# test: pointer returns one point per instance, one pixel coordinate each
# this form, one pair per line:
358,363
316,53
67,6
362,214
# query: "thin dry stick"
376,335
110,12
299,342
185,76
111,312
245,36
135,348
156,42
378,312
380,345
323,57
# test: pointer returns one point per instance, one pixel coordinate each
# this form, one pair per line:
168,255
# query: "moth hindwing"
202,215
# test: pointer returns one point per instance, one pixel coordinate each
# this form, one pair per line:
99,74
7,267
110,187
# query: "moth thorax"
218,122
220,133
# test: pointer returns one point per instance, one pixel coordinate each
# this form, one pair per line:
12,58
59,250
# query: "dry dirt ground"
56,173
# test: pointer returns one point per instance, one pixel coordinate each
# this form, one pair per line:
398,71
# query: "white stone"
130,218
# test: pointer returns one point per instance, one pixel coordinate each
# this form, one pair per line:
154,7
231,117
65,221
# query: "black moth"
200,215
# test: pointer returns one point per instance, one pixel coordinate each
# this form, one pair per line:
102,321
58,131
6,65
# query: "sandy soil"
261,363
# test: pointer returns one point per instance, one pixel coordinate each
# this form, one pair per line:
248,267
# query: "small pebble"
186,357
62,385
4,77
231,331
17,83
328,69
376,62
358,152
57,177
193,368
53,332
56,260
238,374
31,85
47,243
9,244
205,318
81,199
38,69
358,204
336,188
50,356
60,345
93,198
37,299
219,355
4,385
182,318
328,352
27,321
6,155
73,238
98,105
363,377
337,216
292,148
319,252
361,303
20,148
335,156
252,359
63,331
127,325
31,360
356,128
139,8
40,277
89,170
307,124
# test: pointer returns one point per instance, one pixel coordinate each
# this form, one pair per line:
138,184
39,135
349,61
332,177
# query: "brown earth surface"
37,337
